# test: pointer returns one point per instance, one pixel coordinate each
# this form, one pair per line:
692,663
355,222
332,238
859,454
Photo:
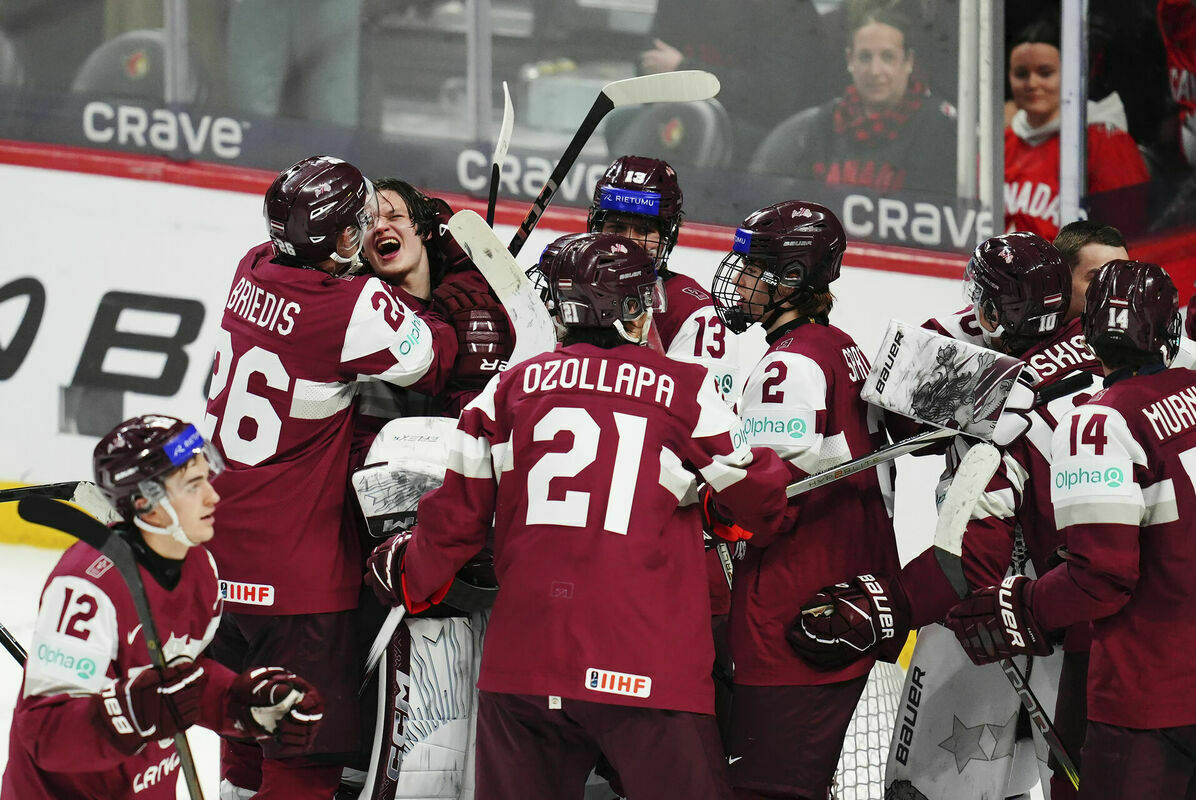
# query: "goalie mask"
780,257
308,206
639,191
1020,282
133,461
1132,305
600,280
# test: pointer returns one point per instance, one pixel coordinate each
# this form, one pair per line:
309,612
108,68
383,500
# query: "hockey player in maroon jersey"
1122,492
802,400
640,198
1019,287
94,719
599,640
299,334
411,248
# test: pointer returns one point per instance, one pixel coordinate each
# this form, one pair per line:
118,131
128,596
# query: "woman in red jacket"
1032,141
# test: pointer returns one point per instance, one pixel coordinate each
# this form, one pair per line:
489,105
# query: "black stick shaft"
1041,720
12,645
59,491
492,201
602,106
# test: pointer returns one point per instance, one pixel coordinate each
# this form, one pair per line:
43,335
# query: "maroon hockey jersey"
1122,472
293,346
590,457
86,636
1018,495
690,330
803,401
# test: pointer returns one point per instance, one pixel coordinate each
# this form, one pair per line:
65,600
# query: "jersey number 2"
574,509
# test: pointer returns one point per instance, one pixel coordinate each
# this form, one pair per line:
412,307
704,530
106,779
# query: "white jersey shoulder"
1093,455
381,321
780,407
75,639
704,339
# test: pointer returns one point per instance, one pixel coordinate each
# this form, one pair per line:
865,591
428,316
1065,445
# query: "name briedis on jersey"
591,374
264,309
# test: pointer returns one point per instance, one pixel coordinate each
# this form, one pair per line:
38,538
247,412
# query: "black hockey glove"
843,623
151,705
995,623
271,702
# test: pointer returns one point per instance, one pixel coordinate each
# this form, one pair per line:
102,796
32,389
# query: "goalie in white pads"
1122,492
802,401
599,640
1019,288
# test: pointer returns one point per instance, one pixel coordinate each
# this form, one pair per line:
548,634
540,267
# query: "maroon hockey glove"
717,522
384,569
484,339
151,705
440,240
995,623
843,623
271,702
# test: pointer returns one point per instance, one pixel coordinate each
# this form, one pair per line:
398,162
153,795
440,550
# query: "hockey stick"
84,494
60,516
378,647
500,152
665,87
971,478
534,332
12,646
911,445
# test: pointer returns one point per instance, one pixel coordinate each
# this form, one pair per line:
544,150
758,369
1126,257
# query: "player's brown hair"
1075,236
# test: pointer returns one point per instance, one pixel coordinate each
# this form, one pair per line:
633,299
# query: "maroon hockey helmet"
1021,281
134,459
308,206
598,279
795,245
646,188
1134,305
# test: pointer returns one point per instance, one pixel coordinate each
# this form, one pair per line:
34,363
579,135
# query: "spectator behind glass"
1032,142
307,47
768,56
1177,23
887,132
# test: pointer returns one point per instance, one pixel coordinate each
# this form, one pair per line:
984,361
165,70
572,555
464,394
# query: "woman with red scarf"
886,132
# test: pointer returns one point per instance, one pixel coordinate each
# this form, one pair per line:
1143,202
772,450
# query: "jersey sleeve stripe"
714,415
1161,506
1086,512
315,400
676,479
469,456
1000,504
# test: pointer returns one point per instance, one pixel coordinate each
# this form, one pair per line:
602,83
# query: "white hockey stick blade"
534,332
389,626
976,469
664,87
504,133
